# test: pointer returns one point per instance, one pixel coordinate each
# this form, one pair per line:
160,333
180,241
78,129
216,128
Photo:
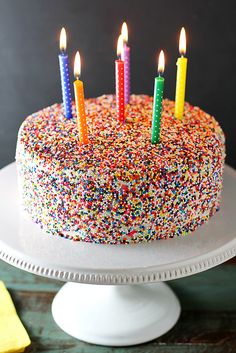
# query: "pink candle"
125,56
119,71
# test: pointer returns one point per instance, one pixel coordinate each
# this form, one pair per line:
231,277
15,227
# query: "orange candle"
79,101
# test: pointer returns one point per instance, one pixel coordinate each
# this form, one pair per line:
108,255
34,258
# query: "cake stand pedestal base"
121,315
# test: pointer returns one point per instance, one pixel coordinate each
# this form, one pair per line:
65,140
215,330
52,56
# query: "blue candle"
65,75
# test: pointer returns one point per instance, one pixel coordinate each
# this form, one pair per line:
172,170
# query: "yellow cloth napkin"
13,336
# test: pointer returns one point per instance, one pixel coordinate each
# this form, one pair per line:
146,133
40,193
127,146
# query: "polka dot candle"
120,106
126,59
125,56
119,78
157,101
65,75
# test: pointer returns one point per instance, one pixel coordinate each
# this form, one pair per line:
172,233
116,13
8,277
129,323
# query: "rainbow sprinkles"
120,188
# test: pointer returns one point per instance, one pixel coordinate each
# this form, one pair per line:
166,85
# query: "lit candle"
157,100
79,101
125,56
119,72
181,76
65,75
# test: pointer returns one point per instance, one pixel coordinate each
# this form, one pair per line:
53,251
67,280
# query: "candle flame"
182,42
161,62
124,32
120,45
77,65
63,39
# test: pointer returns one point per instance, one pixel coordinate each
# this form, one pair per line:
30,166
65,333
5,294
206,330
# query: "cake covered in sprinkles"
120,188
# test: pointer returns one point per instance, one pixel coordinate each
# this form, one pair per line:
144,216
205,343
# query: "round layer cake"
120,188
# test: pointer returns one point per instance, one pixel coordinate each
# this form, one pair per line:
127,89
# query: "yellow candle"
181,77
79,101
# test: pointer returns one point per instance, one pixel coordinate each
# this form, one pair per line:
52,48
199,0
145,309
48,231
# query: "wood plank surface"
207,322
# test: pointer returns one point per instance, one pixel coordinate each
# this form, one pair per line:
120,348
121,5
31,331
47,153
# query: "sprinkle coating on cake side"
120,188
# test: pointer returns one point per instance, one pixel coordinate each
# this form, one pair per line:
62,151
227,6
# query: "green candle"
157,100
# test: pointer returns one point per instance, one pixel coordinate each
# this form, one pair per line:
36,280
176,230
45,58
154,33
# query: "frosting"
120,188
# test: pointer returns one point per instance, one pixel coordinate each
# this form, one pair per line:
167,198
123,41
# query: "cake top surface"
125,148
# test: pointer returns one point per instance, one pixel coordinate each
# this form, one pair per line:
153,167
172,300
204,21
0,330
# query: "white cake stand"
111,297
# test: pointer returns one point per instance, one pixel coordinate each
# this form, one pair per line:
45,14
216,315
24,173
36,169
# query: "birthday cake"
119,188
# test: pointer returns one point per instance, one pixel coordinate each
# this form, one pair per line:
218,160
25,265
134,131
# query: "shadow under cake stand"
114,295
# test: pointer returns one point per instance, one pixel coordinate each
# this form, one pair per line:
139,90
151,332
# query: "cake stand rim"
135,275
124,277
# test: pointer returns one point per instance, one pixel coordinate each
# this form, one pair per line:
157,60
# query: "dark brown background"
29,75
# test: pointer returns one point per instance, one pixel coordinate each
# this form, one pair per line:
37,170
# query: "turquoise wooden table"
207,323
